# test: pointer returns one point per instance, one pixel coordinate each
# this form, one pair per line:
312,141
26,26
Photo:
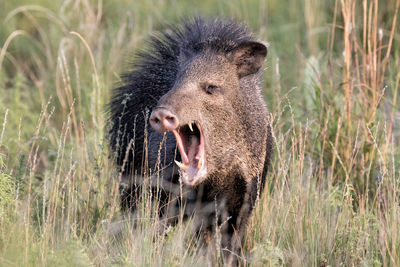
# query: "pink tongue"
194,142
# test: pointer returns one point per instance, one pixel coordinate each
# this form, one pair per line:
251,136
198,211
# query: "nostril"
154,118
171,121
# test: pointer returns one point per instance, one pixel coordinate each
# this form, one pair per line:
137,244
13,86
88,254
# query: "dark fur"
156,71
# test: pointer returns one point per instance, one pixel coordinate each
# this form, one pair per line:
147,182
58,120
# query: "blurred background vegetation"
331,83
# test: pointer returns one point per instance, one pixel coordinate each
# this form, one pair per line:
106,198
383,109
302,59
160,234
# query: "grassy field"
331,83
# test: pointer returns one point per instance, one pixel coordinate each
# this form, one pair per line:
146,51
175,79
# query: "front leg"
239,222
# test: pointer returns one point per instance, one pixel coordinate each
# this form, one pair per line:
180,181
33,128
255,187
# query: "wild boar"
201,82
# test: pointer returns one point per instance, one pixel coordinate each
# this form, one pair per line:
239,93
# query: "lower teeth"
181,165
199,164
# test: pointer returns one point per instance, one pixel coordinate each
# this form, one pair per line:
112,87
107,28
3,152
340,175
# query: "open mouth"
190,140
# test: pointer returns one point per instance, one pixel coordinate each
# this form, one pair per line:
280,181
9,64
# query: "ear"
248,57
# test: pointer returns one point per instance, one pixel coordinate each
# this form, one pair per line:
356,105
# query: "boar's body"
201,82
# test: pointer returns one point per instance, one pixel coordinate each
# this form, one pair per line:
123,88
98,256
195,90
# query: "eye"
211,89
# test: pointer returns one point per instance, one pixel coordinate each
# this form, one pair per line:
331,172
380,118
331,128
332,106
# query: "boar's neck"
253,115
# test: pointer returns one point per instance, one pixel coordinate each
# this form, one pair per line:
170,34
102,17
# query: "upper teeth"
190,126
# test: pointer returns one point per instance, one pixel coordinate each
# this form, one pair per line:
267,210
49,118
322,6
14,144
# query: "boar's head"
204,109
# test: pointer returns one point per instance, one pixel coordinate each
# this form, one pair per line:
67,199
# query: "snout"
163,120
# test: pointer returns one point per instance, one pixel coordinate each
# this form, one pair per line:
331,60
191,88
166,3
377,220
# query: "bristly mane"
153,73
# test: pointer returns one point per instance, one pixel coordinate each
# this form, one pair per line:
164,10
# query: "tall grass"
331,82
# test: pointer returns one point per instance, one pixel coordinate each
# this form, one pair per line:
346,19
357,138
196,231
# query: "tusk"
199,164
181,165
190,126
